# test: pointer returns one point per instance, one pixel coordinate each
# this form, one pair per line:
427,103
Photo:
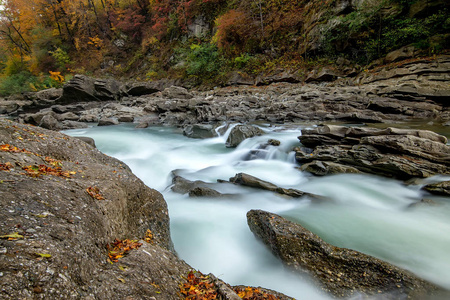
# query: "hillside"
44,42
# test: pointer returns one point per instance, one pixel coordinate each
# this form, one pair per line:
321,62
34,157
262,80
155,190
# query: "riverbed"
374,215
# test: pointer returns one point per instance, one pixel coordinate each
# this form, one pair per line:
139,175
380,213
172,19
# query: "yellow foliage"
56,76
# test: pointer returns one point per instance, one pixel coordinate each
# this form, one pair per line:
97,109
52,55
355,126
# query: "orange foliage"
94,192
120,248
198,287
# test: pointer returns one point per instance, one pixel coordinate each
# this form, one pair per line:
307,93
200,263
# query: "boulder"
176,92
439,188
48,121
342,272
204,192
241,132
84,89
125,119
107,122
73,125
144,88
64,215
200,131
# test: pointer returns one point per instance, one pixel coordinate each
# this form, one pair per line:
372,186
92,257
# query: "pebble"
30,230
3,250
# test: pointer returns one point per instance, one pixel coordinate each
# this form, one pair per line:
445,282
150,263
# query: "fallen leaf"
121,280
45,255
14,235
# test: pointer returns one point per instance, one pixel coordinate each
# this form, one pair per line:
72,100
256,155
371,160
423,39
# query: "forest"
45,42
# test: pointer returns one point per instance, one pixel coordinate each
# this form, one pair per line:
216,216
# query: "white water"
368,213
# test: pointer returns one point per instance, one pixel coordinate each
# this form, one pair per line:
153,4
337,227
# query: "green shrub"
203,61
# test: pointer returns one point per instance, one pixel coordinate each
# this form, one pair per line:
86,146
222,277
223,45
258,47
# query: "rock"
323,74
342,272
199,131
107,122
144,88
392,152
183,186
89,118
68,116
440,188
49,94
241,132
125,119
251,181
48,121
73,125
273,142
176,92
400,54
142,125
75,227
240,78
87,140
322,168
199,27
204,192
83,89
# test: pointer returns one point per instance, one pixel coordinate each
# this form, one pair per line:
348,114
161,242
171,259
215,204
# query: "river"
368,213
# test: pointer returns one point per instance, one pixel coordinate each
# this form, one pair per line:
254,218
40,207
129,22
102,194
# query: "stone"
125,119
84,89
73,125
241,132
342,272
176,92
144,88
439,188
107,122
199,131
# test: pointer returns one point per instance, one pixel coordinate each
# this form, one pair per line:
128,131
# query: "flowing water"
368,213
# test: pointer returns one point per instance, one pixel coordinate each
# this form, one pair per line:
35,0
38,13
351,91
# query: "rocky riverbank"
63,201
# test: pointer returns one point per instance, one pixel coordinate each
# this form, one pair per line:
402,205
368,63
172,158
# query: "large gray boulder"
82,88
342,272
71,201
241,132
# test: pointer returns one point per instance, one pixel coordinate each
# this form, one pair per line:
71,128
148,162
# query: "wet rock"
200,131
440,188
322,168
342,272
182,185
241,132
107,122
254,182
125,119
273,142
204,192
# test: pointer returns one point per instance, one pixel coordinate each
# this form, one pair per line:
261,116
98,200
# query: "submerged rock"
342,272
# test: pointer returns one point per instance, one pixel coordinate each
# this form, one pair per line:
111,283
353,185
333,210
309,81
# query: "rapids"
369,214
